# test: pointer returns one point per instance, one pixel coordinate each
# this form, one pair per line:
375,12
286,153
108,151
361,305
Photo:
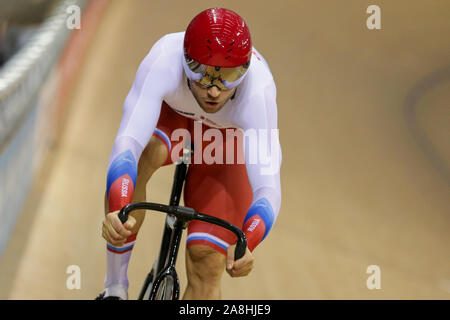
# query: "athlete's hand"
241,267
114,232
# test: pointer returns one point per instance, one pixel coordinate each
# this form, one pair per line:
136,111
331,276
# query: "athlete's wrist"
254,232
258,222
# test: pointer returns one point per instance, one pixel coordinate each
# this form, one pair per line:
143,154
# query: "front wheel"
166,287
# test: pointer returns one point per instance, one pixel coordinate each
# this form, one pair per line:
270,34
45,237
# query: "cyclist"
205,82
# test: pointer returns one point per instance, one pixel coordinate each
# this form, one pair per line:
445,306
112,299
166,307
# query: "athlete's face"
210,99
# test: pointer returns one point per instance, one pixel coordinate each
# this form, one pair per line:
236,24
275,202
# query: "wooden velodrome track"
363,118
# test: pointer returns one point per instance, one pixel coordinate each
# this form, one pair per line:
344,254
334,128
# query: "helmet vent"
231,43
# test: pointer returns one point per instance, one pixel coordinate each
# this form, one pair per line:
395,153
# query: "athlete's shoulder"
173,37
257,96
259,79
165,54
171,42
259,68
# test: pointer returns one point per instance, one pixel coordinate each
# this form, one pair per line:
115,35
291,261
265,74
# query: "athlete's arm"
263,161
140,115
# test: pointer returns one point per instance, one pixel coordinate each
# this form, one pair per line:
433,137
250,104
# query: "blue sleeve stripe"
262,208
164,137
123,164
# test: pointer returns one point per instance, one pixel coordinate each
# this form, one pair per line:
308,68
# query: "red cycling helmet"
217,49
218,37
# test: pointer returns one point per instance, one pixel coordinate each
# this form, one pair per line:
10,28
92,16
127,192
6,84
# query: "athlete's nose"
213,92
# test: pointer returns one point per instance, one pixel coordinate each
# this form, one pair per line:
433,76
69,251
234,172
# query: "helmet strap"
234,94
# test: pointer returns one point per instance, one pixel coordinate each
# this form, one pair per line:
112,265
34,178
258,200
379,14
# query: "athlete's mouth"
211,103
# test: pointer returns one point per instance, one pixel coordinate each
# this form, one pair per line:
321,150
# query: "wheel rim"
165,289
